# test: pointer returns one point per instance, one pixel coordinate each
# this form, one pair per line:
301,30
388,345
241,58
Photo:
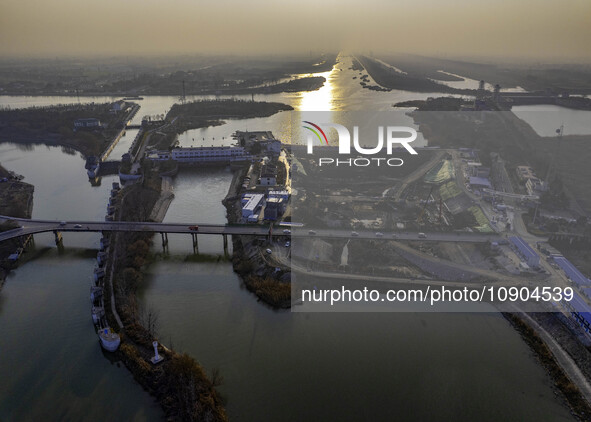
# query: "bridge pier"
24,241
58,238
164,240
225,236
195,243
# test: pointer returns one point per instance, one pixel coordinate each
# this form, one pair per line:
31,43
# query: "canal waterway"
277,365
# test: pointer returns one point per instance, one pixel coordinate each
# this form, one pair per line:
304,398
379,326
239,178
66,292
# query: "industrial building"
525,172
245,198
476,169
283,194
535,186
271,146
480,183
223,154
205,154
530,257
254,203
580,311
274,208
268,175
87,123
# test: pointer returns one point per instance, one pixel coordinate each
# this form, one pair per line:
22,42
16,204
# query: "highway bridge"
28,227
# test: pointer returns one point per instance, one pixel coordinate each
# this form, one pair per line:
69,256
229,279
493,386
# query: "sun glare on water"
322,99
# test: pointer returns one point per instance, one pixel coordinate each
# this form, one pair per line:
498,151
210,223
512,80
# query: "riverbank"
388,77
564,385
198,114
55,126
16,200
179,383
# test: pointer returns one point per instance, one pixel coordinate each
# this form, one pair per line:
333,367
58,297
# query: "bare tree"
149,317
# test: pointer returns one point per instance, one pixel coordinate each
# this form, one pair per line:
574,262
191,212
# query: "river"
277,365
546,119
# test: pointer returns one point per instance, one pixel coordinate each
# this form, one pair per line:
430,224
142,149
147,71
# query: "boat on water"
101,257
92,166
97,313
124,177
109,339
98,274
93,171
95,293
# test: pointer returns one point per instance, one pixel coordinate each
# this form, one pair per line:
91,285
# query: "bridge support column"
225,236
164,240
58,238
195,243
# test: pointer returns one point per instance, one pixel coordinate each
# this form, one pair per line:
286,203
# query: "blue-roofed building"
530,256
480,183
571,271
580,311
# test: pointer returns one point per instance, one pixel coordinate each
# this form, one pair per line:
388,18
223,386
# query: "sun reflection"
322,99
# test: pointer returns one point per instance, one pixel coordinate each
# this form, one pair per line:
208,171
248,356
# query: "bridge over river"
28,227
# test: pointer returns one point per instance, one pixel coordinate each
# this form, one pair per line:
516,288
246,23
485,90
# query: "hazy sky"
558,29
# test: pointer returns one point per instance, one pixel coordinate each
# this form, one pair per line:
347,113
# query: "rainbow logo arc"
316,131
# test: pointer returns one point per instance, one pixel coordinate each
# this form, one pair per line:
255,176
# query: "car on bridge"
194,228
78,226
354,234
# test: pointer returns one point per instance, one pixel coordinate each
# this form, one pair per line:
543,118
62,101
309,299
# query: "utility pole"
551,166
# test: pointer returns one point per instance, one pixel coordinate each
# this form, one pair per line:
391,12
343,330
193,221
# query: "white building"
253,205
225,154
283,194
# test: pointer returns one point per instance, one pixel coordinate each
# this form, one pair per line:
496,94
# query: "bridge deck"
43,226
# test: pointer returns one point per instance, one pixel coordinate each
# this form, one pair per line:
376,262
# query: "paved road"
41,226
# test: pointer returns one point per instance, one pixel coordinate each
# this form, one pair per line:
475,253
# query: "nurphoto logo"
388,136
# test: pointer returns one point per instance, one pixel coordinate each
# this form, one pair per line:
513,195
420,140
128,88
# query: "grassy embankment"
179,383
390,78
558,78
55,126
208,112
434,104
